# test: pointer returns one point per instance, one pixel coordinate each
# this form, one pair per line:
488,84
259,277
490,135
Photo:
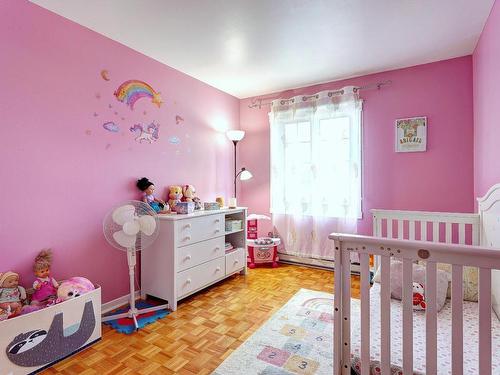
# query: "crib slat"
411,230
389,228
461,233
400,229
365,313
484,321
456,319
407,302
337,305
475,234
435,231
346,313
431,319
448,232
385,315
423,231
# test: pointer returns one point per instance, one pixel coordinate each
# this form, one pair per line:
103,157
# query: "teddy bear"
12,294
418,297
188,192
174,195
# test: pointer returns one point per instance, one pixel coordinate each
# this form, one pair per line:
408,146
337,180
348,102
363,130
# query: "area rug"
295,340
126,325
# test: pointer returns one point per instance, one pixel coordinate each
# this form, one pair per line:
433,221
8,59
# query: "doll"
148,188
11,293
45,286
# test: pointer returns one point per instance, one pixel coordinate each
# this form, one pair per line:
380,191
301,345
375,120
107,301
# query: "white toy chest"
32,342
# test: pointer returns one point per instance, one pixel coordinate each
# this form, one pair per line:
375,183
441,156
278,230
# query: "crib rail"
427,226
448,227
408,252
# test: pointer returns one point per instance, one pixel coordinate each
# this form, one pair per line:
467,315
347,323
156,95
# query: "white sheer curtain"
315,169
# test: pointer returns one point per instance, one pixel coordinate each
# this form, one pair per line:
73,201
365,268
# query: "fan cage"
143,241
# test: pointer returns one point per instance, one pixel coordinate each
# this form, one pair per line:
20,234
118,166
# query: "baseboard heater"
315,262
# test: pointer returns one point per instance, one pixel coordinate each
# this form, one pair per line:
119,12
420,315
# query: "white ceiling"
254,47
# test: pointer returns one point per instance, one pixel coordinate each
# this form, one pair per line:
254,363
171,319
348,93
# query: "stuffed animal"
73,287
188,193
12,294
197,203
418,297
45,286
174,195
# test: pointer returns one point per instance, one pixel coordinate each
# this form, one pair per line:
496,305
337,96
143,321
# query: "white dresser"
189,254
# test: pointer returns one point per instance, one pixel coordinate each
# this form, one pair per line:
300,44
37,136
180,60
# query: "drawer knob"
217,220
236,261
217,231
187,226
217,249
217,269
188,257
188,281
187,238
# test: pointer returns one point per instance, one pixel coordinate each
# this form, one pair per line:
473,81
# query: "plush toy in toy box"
41,338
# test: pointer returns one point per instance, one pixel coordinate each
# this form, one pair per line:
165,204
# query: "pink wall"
61,171
440,179
486,63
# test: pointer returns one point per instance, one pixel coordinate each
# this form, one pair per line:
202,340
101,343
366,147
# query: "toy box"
184,207
211,206
31,342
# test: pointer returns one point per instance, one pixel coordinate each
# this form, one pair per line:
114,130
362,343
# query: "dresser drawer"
199,276
199,229
201,252
235,261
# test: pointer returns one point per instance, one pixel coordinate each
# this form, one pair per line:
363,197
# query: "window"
315,160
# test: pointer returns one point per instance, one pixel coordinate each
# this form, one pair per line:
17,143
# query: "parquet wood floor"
206,328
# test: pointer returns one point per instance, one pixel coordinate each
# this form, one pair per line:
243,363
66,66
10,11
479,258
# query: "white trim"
118,302
314,262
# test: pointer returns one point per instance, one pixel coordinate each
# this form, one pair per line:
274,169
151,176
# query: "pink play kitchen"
261,250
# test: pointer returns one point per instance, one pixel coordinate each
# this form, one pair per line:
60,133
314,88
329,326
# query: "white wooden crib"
365,331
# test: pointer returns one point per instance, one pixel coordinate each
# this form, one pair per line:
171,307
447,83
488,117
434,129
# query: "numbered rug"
296,340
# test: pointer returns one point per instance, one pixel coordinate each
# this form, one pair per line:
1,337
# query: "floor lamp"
235,136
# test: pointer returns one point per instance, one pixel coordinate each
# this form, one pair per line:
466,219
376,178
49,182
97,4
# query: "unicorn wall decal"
150,133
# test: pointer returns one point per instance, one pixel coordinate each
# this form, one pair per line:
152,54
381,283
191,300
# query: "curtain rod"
258,103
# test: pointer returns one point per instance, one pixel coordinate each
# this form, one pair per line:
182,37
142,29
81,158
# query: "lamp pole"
235,175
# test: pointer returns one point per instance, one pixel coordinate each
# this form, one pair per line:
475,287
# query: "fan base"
133,313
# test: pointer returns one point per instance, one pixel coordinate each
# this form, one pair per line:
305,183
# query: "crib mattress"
471,337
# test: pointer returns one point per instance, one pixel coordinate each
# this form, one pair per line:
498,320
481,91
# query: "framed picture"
411,134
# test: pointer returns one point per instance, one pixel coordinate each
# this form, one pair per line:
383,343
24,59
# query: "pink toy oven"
262,253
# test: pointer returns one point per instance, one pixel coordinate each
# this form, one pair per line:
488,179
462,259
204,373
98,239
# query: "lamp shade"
245,175
235,135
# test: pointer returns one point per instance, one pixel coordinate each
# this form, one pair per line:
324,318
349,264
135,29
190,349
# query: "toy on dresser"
45,286
12,295
174,196
148,188
189,195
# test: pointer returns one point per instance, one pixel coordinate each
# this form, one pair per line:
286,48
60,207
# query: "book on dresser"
191,253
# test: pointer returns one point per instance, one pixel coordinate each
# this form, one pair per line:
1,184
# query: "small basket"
233,225
184,207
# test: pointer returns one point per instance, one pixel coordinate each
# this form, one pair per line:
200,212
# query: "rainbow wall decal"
131,91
